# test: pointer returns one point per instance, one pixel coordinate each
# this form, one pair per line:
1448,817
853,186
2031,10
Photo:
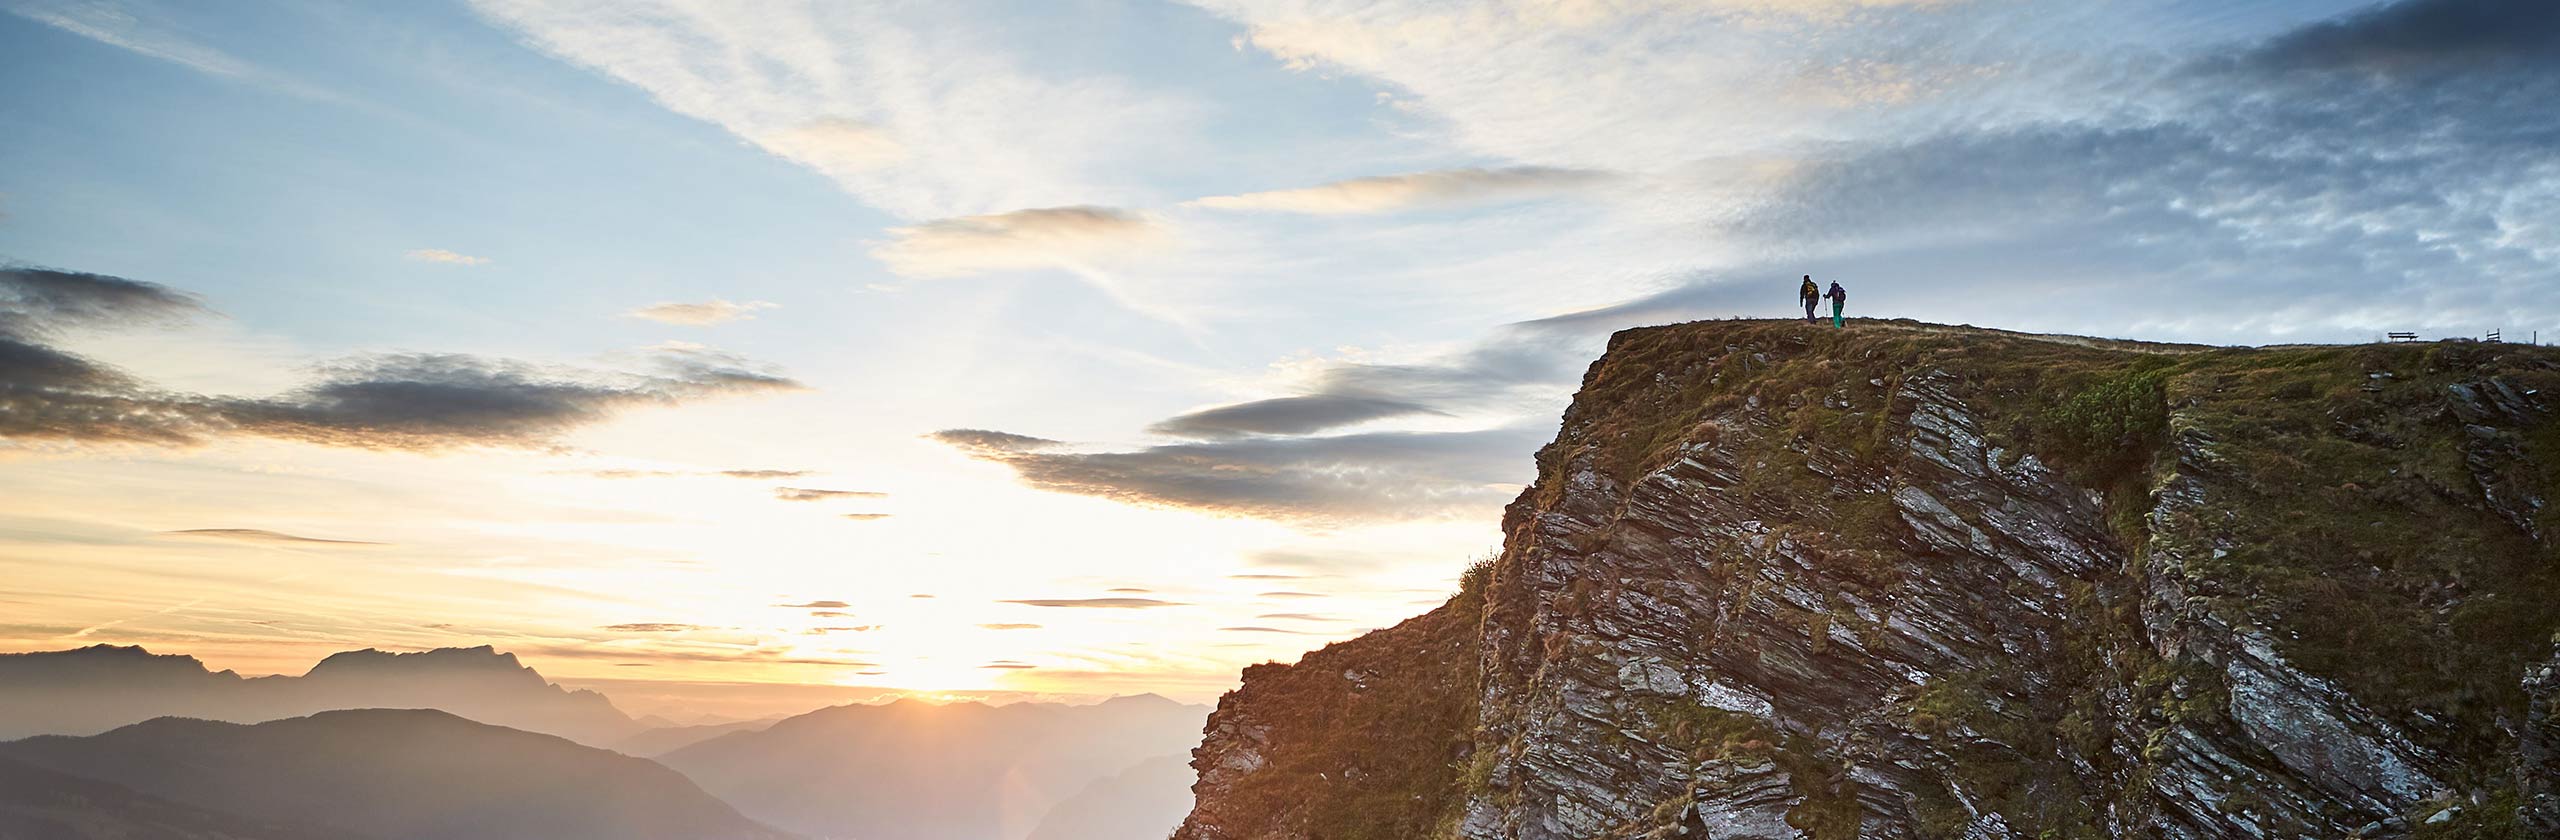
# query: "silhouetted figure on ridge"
1839,298
1811,294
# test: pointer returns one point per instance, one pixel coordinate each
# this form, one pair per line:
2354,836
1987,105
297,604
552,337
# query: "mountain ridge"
96,688
396,774
912,770
1905,580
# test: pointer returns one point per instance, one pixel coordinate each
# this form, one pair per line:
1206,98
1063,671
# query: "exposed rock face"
1781,582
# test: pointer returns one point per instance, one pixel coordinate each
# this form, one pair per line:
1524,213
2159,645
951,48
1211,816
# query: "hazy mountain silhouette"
40,804
669,738
97,688
1143,802
396,774
911,770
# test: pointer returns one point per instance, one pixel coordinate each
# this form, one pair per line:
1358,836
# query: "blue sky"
1251,290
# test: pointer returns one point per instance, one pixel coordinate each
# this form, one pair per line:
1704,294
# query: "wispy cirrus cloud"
440,255
849,90
840,147
766,474
1387,193
1048,237
147,34
699,314
260,535
1095,603
813,494
622,474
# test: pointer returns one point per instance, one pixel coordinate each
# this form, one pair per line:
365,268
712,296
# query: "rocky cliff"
1777,581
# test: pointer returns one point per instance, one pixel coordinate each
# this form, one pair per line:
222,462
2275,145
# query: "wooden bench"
2402,336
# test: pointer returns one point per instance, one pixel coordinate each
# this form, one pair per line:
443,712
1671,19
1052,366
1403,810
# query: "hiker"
1811,294
1839,298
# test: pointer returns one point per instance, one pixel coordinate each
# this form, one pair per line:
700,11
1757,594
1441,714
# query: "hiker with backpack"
1811,294
1839,298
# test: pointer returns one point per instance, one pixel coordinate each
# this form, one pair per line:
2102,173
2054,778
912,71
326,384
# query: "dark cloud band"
404,401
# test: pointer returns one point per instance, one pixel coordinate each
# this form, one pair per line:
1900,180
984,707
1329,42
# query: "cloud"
1327,562
765,474
700,314
440,255
621,475
259,535
816,605
846,148
2320,185
1630,86
654,627
1519,367
684,475
866,517
915,109
807,494
2414,35
831,614
36,300
429,401
1298,617
1129,589
1296,415
1096,603
1387,193
1358,477
403,401
1009,627
1049,237
985,439
1260,630
1289,595
821,631
1008,665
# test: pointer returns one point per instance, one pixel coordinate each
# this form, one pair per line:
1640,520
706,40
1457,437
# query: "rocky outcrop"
1916,581
1361,739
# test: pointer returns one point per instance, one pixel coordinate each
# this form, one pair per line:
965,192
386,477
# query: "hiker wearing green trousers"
1839,298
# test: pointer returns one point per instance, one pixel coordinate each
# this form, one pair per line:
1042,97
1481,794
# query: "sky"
1084,347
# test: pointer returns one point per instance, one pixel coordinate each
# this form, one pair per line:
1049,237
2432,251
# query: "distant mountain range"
911,770
382,774
666,739
1134,804
458,742
97,688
